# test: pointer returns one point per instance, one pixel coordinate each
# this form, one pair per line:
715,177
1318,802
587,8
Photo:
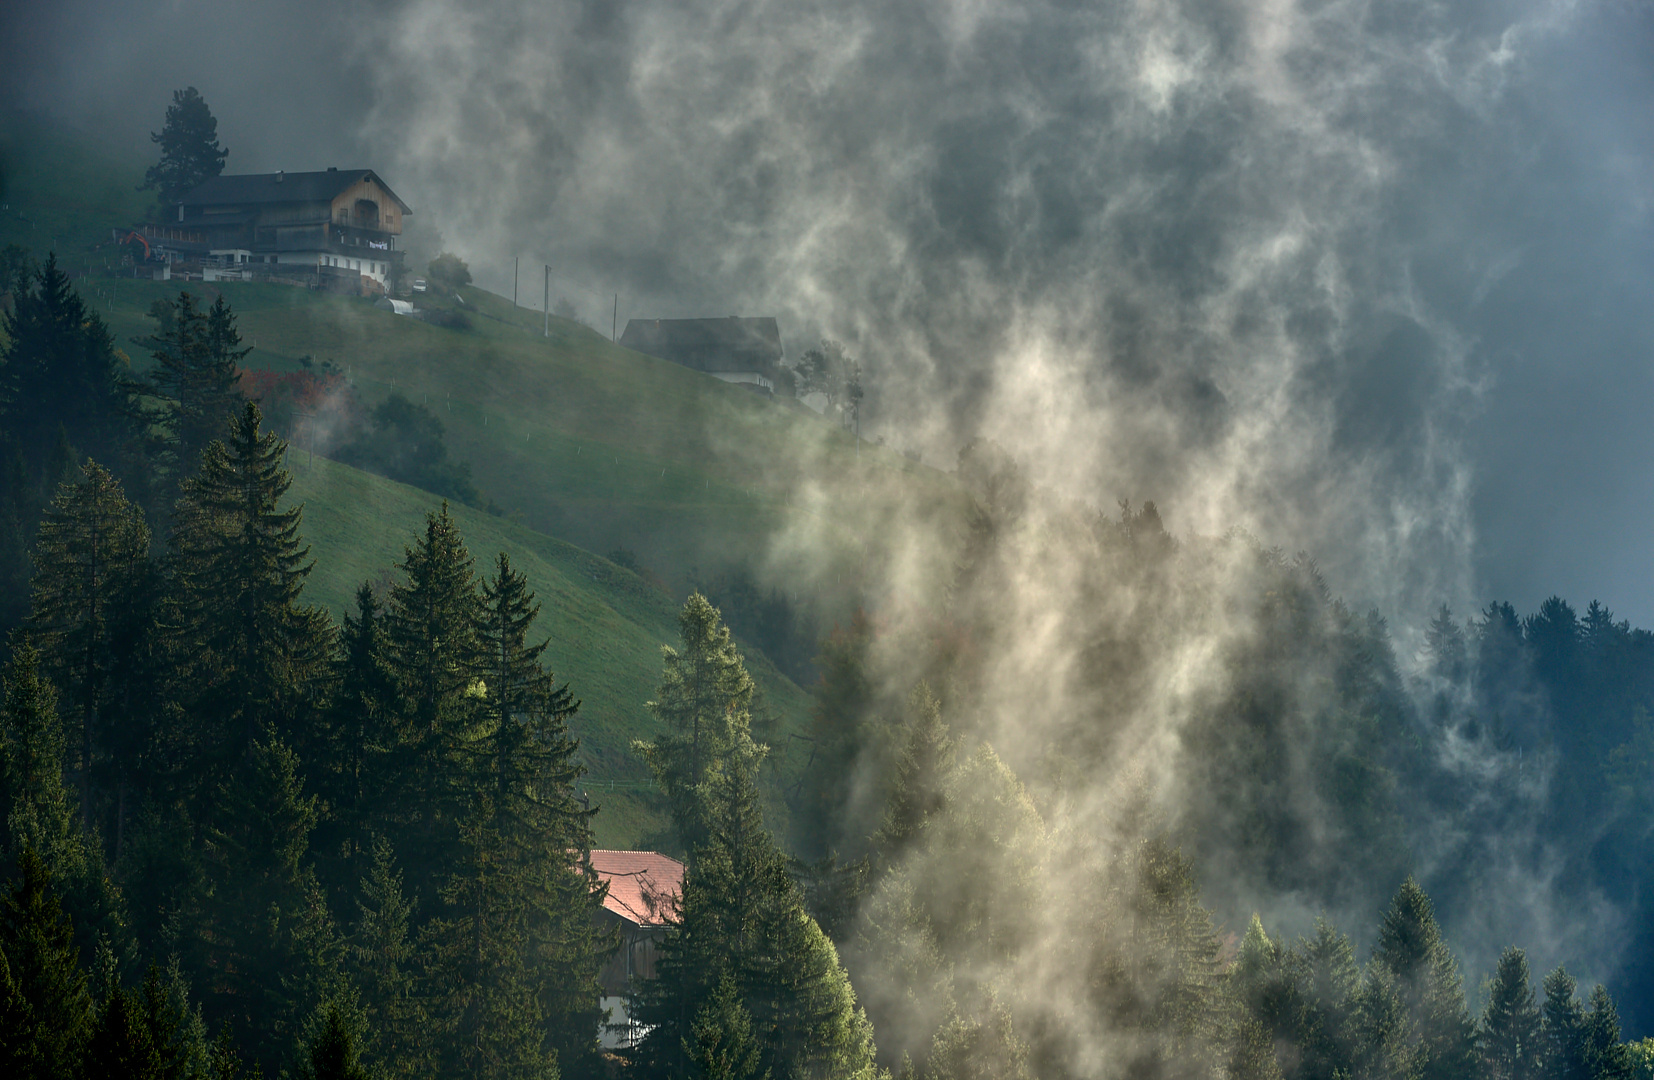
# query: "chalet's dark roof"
644,886
282,187
712,345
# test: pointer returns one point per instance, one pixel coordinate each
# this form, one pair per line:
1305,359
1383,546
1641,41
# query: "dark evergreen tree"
741,916
195,380
1606,1058
514,950
432,649
334,1049
721,1044
1263,987
925,757
1449,653
122,1047
240,567
1329,989
526,806
38,816
38,945
265,948
61,378
1562,1030
190,154
1381,1031
354,758
382,962
1427,980
1508,1043
90,570
702,704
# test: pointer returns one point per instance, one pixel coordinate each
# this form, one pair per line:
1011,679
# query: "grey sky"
1369,278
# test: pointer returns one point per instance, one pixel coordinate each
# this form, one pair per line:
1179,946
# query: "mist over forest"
1197,630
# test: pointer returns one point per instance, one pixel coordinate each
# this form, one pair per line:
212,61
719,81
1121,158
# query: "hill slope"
605,624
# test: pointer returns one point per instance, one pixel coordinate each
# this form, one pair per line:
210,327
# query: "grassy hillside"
605,624
573,436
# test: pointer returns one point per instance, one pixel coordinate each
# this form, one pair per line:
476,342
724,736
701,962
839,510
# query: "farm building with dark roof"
343,221
736,350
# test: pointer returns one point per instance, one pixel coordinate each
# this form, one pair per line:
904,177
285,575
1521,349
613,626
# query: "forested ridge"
240,836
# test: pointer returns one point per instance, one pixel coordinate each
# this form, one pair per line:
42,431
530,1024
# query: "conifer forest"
1096,542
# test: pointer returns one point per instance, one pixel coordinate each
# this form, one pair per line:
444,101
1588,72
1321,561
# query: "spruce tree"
515,948
432,650
1508,1044
1411,949
721,1045
90,562
1606,1058
334,1049
355,756
926,756
742,917
1262,986
61,377
122,1047
1328,988
190,154
1561,1030
702,705
33,801
38,945
195,379
526,771
265,946
381,957
240,567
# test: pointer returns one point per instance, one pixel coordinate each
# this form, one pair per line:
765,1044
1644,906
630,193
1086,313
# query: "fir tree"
122,1045
1261,984
1509,1040
527,773
38,945
61,378
1606,1058
240,566
741,915
432,650
702,704
1562,1030
190,154
515,950
1329,989
925,758
381,954
195,379
355,757
333,1051
843,703
266,946
721,1044
90,560
1427,979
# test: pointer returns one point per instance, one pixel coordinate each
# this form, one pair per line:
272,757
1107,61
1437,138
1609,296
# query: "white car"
419,284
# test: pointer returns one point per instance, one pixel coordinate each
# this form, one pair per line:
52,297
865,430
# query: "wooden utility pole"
516,264
614,322
546,302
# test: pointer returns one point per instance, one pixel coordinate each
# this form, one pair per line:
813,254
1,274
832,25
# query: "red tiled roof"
644,886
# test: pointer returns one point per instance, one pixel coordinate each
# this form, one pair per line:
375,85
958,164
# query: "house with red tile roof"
644,889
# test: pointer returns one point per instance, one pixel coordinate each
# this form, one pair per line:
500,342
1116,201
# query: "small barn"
739,350
644,888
